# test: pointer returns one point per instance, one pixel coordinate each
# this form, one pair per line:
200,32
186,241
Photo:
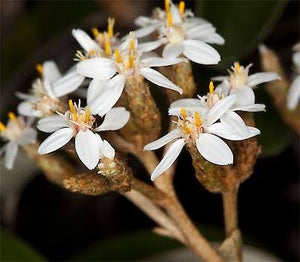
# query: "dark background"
60,224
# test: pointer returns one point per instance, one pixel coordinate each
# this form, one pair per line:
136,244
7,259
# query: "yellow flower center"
110,26
238,76
167,6
211,87
107,47
39,68
181,7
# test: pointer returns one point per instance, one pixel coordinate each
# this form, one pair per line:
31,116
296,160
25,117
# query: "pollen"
186,129
2,127
181,7
12,116
211,87
167,6
107,45
198,120
118,56
95,31
87,115
169,19
130,60
39,68
71,106
183,113
237,66
110,26
131,44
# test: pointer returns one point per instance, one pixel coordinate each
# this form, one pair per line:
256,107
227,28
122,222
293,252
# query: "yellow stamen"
170,19
181,7
198,120
110,26
237,66
167,6
183,113
12,116
211,87
95,31
92,52
118,56
131,44
87,115
107,45
186,129
39,68
71,106
2,127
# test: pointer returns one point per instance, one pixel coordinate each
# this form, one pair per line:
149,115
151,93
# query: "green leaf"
13,249
243,24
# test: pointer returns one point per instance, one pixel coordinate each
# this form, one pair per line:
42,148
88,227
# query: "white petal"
176,17
26,109
163,140
234,122
109,97
259,78
159,61
158,79
52,123
296,59
28,136
201,32
187,102
57,140
87,148
149,46
245,95
220,108
215,38
294,94
176,111
100,68
51,71
172,50
200,52
221,130
48,88
147,30
86,42
115,119
24,96
96,87
143,21
168,159
250,108
67,84
11,152
223,88
107,150
214,149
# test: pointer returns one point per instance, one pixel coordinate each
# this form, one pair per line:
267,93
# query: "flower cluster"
109,63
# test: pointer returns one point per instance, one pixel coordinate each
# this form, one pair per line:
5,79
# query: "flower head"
44,98
182,33
78,122
240,83
198,126
16,132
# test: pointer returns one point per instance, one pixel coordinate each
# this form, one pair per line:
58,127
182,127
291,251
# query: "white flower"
182,34
45,93
110,74
79,123
198,126
230,119
240,83
293,96
17,133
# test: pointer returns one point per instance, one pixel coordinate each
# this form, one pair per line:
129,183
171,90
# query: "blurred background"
40,221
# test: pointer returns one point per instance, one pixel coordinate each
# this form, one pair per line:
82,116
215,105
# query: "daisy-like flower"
18,133
230,119
110,74
293,96
79,123
199,127
240,83
182,33
44,99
